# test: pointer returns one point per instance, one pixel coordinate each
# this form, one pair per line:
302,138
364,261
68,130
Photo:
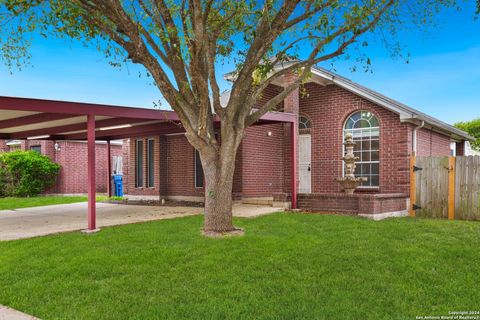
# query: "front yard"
287,266
17,203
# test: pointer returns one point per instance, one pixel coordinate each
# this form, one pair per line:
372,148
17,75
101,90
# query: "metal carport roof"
37,119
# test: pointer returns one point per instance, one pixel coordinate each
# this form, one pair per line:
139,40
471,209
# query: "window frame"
150,163
36,148
361,151
139,165
196,162
307,123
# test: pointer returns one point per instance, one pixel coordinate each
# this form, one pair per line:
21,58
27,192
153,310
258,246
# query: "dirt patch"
233,233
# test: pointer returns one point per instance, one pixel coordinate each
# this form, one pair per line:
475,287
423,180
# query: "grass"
287,266
17,203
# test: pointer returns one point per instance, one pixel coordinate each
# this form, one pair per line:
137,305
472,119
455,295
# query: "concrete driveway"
40,221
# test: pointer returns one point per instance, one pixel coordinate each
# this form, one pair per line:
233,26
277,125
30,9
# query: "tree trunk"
219,167
218,194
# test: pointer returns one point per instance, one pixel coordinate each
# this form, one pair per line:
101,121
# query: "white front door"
304,163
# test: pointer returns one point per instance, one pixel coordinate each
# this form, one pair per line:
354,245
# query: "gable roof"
407,114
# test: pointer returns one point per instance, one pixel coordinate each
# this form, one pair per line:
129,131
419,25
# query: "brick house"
387,134
72,156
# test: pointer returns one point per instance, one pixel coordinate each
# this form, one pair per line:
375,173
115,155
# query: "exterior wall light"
269,133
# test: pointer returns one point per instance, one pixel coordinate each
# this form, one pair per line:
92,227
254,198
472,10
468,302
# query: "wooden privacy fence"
445,187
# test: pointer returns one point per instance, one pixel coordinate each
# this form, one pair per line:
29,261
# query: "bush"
26,173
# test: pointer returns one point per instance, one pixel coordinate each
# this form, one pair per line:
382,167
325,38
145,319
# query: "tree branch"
307,64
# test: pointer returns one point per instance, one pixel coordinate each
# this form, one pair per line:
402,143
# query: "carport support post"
109,170
92,223
294,168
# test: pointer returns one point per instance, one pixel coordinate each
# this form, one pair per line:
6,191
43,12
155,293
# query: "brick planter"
357,203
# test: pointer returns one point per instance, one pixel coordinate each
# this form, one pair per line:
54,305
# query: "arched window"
304,123
364,127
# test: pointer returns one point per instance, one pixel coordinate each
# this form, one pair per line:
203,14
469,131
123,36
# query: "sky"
442,77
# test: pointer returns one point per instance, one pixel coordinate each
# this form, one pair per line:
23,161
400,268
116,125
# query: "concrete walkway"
7,313
40,221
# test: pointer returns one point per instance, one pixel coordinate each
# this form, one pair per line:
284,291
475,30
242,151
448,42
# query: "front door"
304,163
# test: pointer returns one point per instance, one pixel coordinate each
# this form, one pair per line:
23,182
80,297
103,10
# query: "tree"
181,43
472,127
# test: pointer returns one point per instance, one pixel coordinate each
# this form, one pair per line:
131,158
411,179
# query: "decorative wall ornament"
349,182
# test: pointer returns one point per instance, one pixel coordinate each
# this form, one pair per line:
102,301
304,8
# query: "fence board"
475,213
432,187
469,187
477,189
442,185
467,204
458,186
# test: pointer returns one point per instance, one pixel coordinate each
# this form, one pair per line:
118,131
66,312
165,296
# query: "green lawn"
287,266
16,203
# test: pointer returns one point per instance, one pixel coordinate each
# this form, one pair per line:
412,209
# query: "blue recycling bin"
118,185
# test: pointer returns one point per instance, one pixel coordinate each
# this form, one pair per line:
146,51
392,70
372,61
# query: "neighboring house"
387,134
465,150
469,151
72,156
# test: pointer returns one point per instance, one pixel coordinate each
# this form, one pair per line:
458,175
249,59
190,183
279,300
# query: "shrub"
26,173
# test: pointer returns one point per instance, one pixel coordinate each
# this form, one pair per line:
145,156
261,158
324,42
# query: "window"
198,171
363,125
36,149
14,147
304,123
151,163
139,164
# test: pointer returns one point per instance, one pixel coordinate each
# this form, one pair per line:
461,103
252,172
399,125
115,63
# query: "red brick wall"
181,168
72,157
258,172
263,162
328,107
3,146
258,166
174,168
431,143
129,171
460,148
263,169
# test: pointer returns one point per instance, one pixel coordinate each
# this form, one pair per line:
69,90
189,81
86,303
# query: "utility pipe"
414,142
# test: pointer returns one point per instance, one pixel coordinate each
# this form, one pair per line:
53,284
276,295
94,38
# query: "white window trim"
362,162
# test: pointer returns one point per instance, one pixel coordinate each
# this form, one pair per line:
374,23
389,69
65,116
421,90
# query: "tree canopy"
472,127
182,42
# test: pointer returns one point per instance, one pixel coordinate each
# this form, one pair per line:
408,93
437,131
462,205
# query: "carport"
35,119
